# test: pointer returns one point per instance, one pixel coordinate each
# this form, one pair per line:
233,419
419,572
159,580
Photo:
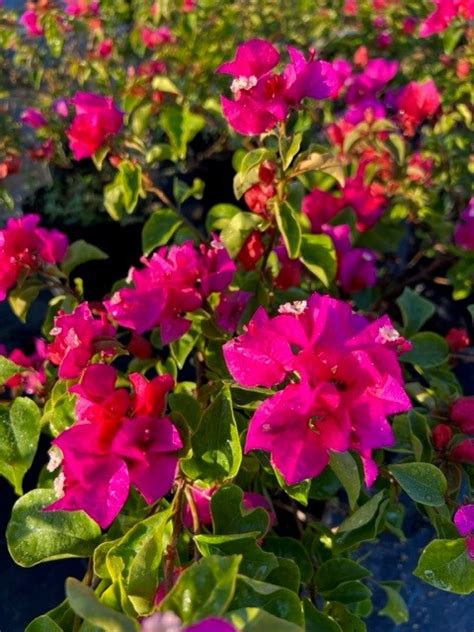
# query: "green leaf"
22,296
423,482
35,536
237,230
99,157
415,310
338,570
43,623
217,452
163,83
289,227
327,163
316,621
319,256
280,602
182,191
397,147
445,564
257,620
136,559
395,608
205,589
345,468
289,148
348,592
219,215
8,369
81,252
121,195
159,153
429,350
159,229
229,515
363,515
59,410
181,126
85,603
291,549
255,562
62,616
19,435
53,34
299,491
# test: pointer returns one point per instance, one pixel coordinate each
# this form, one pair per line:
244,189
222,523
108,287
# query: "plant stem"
172,549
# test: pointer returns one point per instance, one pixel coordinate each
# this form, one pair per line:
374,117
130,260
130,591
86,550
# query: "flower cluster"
97,119
173,282
26,248
119,439
32,377
345,380
262,97
78,337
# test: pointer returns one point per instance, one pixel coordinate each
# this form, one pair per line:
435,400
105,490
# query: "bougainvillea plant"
234,426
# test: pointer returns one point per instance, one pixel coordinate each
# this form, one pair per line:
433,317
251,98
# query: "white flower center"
243,83
297,308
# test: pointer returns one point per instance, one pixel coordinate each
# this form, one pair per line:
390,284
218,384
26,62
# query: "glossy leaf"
19,435
205,589
35,536
423,482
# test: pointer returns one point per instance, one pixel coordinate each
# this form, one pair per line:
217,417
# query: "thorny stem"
166,200
172,549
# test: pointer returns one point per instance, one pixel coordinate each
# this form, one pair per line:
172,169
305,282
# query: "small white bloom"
296,308
387,333
243,83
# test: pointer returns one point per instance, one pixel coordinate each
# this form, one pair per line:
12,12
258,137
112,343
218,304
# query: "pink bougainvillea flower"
169,622
118,441
262,98
350,380
217,268
357,270
230,309
33,376
261,356
464,229
174,281
462,414
343,71
376,74
441,435
368,200
417,102
33,117
25,248
321,207
78,337
156,37
97,119
78,8
420,168
457,339
463,452
30,20
464,521
445,12
105,48
290,270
